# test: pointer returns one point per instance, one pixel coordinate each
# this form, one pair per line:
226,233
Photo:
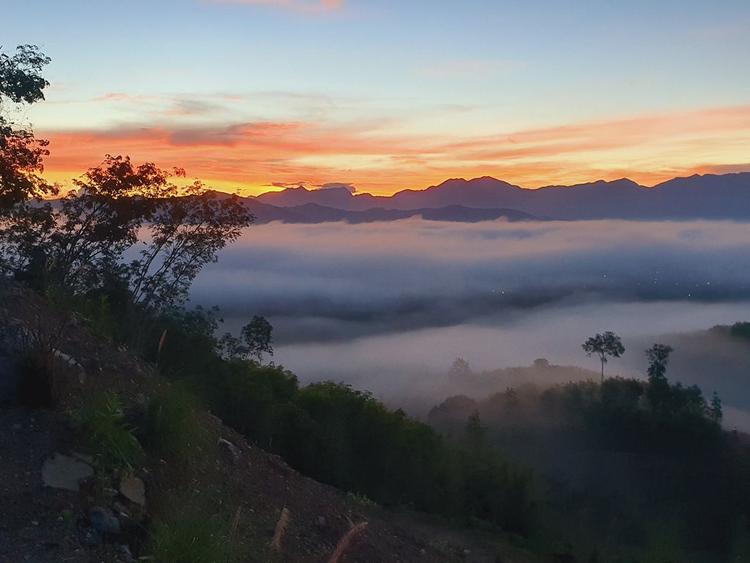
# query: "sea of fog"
388,306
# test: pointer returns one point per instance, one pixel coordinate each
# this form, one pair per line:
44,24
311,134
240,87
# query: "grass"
174,428
107,432
191,537
361,499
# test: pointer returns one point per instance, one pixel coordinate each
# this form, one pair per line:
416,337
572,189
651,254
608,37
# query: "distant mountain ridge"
314,213
708,196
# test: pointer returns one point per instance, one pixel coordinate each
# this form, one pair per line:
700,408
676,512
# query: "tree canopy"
604,346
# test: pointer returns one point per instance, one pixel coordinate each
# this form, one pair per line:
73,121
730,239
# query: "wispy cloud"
382,157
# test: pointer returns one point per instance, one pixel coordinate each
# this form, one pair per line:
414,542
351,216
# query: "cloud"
723,168
337,186
395,303
303,6
419,274
379,156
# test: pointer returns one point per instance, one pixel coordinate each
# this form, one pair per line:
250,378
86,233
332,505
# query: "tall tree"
257,336
658,357
658,391
21,154
604,346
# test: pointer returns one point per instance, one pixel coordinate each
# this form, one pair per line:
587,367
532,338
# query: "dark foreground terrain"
105,517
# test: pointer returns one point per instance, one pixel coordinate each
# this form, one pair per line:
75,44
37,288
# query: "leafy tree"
21,154
658,356
715,411
186,232
256,338
100,221
659,391
604,346
118,205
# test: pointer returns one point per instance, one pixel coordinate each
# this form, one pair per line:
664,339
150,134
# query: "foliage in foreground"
102,422
187,536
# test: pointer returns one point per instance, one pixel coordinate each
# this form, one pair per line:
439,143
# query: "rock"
85,458
72,363
63,472
103,521
320,521
231,449
133,489
125,554
120,509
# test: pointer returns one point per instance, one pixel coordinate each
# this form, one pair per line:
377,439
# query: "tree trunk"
602,370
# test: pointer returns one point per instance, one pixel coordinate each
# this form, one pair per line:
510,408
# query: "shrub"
112,439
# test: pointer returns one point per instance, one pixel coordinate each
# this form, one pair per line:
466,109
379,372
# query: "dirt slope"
45,525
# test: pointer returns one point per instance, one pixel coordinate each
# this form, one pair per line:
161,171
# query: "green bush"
107,432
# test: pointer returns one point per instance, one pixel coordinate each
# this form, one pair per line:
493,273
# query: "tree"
117,206
21,154
98,223
659,390
715,411
186,231
604,346
658,357
257,336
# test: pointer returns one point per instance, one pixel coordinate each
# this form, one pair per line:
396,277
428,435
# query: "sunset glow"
384,115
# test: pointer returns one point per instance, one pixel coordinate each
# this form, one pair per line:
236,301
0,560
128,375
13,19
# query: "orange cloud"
381,158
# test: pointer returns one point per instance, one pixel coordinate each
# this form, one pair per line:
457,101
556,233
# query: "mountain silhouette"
708,196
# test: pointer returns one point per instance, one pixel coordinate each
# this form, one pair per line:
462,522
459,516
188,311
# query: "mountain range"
708,196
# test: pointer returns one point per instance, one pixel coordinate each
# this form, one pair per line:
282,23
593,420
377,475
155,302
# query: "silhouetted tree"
101,220
186,231
604,346
21,160
257,336
715,411
658,391
658,356
82,247
21,154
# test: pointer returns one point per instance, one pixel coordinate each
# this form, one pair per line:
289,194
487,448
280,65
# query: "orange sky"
254,157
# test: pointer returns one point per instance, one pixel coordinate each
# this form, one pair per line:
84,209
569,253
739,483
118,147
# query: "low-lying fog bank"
389,306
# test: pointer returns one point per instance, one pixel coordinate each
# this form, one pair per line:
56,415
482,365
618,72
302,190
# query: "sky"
255,95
